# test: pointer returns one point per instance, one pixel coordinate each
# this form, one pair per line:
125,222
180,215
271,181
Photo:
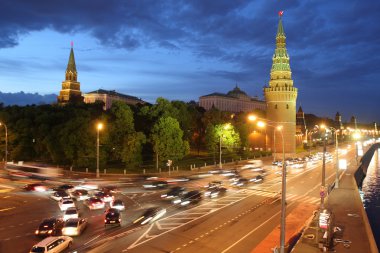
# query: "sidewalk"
353,233
295,221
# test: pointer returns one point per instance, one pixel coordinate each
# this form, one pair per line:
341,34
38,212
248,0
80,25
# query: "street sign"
322,193
342,164
324,219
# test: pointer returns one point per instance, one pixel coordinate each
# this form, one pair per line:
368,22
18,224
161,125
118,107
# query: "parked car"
52,244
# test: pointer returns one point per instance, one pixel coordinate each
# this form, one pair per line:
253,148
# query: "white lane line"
96,237
6,209
142,236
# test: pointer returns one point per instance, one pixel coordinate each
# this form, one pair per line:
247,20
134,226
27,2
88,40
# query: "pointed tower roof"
71,64
280,29
300,109
337,114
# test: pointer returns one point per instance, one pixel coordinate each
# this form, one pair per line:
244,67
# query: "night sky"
182,50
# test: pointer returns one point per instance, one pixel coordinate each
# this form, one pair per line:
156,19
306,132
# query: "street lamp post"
6,143
220,151
337,159
323,183
283,185
98,128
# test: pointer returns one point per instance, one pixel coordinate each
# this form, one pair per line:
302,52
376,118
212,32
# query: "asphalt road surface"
235,222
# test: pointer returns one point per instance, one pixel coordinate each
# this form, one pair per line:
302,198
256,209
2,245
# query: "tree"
132,151
166,138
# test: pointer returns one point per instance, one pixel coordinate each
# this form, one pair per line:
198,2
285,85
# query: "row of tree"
66,135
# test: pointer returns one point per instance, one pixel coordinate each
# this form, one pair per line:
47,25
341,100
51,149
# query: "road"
233,223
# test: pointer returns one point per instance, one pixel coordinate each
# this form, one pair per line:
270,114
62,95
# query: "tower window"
287,106
275,106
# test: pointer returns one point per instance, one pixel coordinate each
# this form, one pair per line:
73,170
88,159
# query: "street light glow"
252,117
99,126
261,124
279,128
356,135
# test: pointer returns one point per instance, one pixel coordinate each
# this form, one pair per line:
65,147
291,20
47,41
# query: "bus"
19,171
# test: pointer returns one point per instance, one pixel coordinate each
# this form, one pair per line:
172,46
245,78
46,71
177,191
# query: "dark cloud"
333,45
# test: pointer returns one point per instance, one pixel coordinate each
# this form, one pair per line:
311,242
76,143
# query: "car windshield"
67,202
117,203
38,249
71,223
150,212
71,211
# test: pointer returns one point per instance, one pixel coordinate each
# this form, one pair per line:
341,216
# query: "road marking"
6,209
142,236
5,197
92,239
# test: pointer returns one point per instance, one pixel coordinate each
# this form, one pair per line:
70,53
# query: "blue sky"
181,49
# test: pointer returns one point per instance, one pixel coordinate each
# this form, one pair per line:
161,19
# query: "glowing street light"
99,127
6,143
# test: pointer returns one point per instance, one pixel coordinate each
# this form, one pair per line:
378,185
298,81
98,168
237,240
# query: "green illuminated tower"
281,98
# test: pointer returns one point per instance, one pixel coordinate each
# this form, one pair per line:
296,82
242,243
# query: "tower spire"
71,64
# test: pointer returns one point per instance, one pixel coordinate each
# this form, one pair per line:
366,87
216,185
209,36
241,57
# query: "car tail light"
50,231
119,220
105,220
37,232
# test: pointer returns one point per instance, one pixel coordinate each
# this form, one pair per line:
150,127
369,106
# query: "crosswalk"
289,196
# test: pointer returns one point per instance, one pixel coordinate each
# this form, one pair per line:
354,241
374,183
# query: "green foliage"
132,150
166,138
224,134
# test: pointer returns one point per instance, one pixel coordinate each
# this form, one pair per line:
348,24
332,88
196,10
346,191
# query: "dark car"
192,197
215,192
64,187
34,187
112,217
50,227
150,215
110,189
79,195
176,191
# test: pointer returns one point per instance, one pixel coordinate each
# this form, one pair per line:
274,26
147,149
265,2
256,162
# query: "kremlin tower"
281,98
70,92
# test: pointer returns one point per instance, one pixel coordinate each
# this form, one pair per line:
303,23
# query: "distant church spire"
71,70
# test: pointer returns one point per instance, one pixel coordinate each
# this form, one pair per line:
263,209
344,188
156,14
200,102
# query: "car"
213,184
52,244
66,203
49,227
112,217
191,197
156,184
58,195
215,192
79,194
150,215
87,186
110,189
35,187
117,204
105,197
241,182
94,203
176,191
64,187
70,212
257,179
74,226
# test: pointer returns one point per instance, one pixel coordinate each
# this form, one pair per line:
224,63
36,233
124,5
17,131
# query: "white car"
58,195
66,203
74,227
52,244
87,186
118,204
70,212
